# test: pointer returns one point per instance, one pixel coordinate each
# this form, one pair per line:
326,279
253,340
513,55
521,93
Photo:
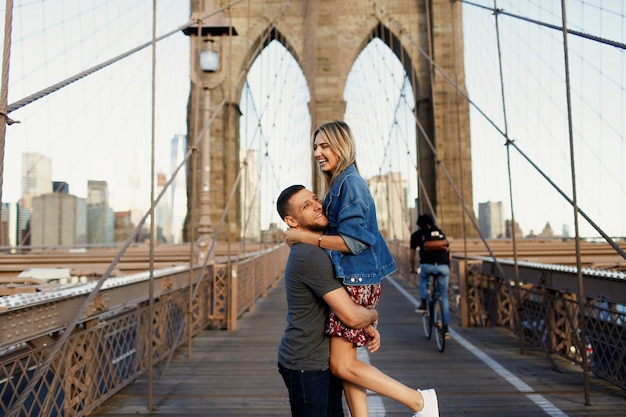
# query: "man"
311,287
434,257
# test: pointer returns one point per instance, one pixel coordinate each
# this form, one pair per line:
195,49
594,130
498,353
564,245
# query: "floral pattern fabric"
365,295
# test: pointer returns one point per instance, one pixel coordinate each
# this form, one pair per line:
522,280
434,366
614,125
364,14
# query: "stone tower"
325,38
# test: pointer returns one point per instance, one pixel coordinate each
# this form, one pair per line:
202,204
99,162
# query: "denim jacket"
351,212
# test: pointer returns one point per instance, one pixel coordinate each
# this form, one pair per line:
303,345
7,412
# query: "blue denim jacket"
351,212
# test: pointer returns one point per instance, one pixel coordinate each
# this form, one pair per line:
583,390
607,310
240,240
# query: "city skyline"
490,215
99,127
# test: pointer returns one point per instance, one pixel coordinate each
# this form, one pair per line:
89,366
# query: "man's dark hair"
282,204
424,219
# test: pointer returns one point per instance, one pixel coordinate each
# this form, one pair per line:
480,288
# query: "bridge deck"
234,373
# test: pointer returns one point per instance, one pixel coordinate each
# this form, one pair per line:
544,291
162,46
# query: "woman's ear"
291,222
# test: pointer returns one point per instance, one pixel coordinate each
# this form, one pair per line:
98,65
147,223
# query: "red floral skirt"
365,295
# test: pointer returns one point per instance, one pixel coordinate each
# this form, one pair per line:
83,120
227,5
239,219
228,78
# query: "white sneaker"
431,407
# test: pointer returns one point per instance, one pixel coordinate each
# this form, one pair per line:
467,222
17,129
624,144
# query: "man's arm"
438,244
412,260
351,314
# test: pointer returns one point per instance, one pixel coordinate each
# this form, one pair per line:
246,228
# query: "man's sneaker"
431,407
422,307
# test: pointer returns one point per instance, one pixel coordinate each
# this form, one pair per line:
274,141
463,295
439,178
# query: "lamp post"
209,61
209,23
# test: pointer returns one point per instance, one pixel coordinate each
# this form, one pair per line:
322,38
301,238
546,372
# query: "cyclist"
434,257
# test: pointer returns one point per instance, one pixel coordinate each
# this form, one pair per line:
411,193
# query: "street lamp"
207,59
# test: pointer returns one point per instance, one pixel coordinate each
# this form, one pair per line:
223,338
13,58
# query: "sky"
533,69
100,127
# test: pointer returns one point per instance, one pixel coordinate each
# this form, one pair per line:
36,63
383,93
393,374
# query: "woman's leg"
345,365
356,397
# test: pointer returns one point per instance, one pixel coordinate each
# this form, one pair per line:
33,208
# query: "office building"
392,210
100,217
58,219
250,198
162,213
491,220
178,188
36,177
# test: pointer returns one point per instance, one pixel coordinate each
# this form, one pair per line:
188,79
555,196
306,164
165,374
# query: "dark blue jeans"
313,393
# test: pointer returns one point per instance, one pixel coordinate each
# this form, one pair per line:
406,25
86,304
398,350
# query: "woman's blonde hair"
339,137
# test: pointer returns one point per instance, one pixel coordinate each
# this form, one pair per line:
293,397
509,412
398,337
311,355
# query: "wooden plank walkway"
481,372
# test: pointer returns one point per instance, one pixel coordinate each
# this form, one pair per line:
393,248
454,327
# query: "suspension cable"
55,87
562,28
150,336
607,238
510,179
430,144
582,338
4,92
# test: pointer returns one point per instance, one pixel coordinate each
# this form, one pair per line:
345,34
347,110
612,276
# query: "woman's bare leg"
356,397
345,365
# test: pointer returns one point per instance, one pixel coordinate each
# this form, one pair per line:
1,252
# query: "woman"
361,260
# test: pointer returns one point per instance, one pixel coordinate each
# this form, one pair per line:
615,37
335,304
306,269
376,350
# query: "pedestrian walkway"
481,373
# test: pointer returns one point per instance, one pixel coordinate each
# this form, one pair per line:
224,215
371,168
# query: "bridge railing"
109,347
482,293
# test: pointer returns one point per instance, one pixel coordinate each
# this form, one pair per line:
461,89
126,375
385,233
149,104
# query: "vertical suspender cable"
192,240
4,93
434,109
152,220
229,130
518,309
191,225
581,295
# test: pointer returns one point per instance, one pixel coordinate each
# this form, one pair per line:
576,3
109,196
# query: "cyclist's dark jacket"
420,237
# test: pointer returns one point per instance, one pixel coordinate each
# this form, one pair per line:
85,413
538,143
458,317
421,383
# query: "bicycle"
433,317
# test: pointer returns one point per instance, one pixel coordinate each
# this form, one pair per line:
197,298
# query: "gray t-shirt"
308,276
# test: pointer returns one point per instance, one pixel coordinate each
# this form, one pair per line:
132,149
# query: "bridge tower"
325,38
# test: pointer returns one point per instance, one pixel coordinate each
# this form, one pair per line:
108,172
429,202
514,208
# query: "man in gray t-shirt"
311,287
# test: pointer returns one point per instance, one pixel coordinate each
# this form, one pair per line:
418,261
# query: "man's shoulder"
310,254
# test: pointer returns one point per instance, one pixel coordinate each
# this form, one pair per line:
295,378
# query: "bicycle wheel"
440,336
427,322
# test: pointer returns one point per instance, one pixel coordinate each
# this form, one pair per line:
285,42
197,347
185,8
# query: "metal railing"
548,310
108,348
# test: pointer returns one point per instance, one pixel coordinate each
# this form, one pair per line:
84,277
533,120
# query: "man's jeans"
313,393
442,282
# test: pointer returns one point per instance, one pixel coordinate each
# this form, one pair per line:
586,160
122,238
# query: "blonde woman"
361,260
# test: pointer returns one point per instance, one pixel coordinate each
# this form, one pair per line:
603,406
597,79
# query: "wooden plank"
234,373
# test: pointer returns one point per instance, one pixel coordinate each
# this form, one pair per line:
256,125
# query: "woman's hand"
294,235
374,344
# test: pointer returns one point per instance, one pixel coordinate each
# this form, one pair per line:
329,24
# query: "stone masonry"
325,37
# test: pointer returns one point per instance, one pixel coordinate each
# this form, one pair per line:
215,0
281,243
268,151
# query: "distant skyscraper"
97,193
58,219
251,207
162,213
566,230
518,230
123,225
392,210
14,224
100,217
36,177
8,224
134,182
491,219
178,189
